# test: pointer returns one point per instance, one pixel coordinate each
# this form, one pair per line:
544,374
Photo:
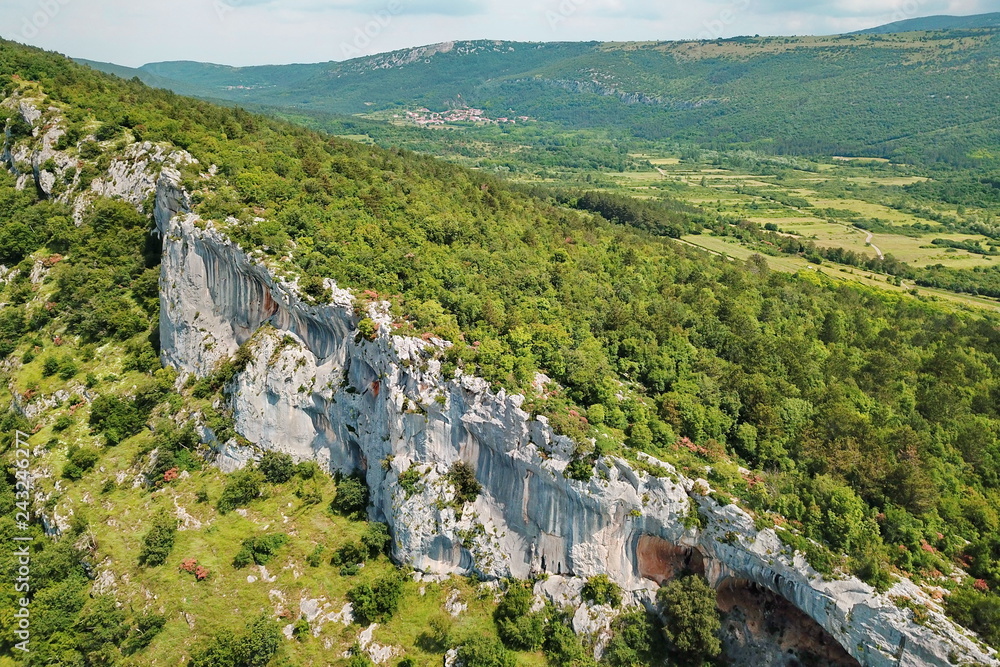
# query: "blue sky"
246,32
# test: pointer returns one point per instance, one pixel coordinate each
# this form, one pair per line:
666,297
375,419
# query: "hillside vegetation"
868,420
914,96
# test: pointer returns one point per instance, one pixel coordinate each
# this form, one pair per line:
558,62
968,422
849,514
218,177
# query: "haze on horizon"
254,32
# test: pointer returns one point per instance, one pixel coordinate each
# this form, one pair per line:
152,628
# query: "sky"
255,32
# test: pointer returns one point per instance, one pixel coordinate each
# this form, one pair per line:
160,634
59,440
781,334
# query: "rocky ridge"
317,389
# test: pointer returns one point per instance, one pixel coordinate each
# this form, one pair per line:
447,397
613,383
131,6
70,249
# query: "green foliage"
117,419
367,328
242,487
485,651
352,497
79,461
377,602
693,624
978,611
315,557
259,550
158,542
277,467
255,646
463,478
518,627
411,481
637,641
599,589
376,539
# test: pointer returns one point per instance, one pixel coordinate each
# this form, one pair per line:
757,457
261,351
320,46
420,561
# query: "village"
425,117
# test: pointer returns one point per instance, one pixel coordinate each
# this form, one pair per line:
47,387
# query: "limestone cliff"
319,390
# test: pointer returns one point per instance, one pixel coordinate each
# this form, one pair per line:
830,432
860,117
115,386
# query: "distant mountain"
148,78
925,23
849,94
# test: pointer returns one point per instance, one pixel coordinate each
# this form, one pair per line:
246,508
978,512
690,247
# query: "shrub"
378,601
692,619
301,629
368,328
376,539
410,480
485,651
62,423
259,550
352,497
348,557
50,366
978,611
307,469
463,477
116,419
256,646
315,558
517,626
601,590
80,460
241,488
277,467
637,640
158,542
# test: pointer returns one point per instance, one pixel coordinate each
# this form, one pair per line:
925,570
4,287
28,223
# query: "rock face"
317,389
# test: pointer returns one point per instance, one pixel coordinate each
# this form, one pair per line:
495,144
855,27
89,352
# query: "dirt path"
874,247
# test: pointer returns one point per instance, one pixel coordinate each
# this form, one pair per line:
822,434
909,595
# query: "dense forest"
869,420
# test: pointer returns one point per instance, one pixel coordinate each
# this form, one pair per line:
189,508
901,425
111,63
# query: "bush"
978,611
316,557
376,539
692,619
158,542
277,467
352,497
637,640
378,601
259,550
116,419
241,488
80,460
485,651
62,423
348,557
517,626
601,590
410,481
259,642
463,477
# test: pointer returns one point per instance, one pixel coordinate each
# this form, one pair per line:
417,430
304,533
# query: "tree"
485,651
241,488
158,542
600,589
517,626
277,467
692,619
378,601
352,497
463,478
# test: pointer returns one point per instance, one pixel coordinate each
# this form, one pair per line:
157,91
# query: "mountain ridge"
933,23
